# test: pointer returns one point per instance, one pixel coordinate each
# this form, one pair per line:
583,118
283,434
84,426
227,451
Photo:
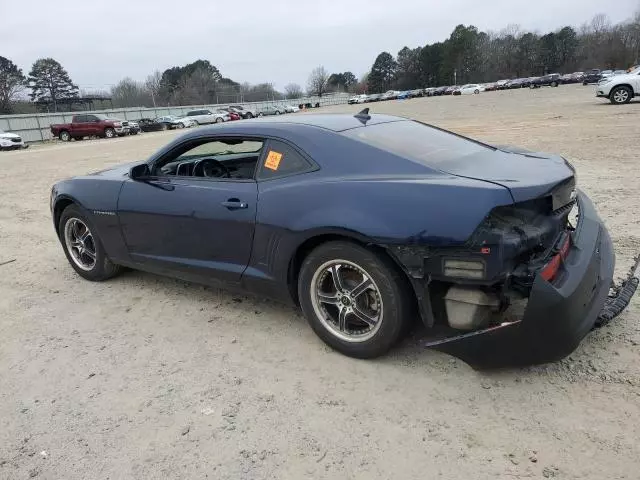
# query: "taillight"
550,271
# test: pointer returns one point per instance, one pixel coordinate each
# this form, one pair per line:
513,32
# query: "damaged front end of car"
550,257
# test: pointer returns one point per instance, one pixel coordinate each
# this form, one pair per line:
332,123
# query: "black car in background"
150,125
592,76
551,80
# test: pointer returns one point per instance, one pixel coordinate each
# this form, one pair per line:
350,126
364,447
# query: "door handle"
234,204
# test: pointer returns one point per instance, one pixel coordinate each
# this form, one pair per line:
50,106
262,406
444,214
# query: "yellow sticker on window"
273,160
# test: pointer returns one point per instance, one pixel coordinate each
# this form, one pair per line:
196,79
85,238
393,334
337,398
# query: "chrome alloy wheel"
346,300
621,96
80,244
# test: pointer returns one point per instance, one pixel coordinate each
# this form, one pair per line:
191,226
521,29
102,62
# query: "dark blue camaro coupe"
367,222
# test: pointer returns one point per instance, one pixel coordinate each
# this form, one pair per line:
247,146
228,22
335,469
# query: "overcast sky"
278,41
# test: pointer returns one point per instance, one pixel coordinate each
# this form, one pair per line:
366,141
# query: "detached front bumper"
558,314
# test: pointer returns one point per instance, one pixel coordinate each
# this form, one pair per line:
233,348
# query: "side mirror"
139,172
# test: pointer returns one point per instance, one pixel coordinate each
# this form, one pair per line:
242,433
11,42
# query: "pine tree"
48,80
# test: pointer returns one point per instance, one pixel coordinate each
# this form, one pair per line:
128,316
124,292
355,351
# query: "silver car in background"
204,117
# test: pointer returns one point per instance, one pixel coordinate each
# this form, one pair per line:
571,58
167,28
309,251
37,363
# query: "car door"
92,126
196,228
79,126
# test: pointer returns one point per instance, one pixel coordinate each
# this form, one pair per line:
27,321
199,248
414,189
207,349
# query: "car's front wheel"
219,120
354,299
620,95
180,125
64,136
109,132
82,246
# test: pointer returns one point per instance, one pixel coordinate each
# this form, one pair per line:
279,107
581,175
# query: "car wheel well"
60,207
624,85
312,243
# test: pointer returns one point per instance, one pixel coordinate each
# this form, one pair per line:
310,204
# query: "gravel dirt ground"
145,377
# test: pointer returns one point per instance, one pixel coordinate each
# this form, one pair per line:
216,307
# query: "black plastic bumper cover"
558,314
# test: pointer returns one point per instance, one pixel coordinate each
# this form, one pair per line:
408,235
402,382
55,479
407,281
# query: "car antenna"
363,116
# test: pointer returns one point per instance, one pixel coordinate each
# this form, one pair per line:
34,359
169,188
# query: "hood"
8,135
526,174
118,171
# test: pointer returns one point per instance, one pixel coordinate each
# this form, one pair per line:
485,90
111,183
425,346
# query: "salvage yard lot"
147,377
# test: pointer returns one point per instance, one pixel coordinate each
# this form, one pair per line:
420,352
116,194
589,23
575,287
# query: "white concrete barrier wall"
35,127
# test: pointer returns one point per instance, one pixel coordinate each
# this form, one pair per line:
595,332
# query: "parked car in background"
440,91
134,128
513,83
500,84
620,89
233,116
551,80
451,89
150,125
428,92
357,99
374,97
404,95
606,73
269,110
90,125
619,72
389,95
489,87
11,141
291,109
416,93
244,112
470,89
205,117
172,122
592,76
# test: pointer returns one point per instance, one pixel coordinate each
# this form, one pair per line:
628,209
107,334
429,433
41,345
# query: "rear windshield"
417,142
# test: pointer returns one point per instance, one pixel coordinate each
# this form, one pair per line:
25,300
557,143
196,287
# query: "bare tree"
153,84
12,82
293,90
317,83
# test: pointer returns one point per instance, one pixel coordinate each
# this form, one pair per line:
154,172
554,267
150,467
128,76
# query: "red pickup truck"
88,125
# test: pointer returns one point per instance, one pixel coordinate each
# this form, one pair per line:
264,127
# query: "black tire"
585,83
103,268
476,92
133,133
64,136
249,115
109,132
532,86
620,95
554,84
180,125
389,282
219,120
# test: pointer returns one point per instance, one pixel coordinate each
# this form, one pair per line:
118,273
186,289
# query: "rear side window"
281,160
417,142
80,118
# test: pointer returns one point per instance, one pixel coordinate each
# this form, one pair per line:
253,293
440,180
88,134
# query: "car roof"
333,122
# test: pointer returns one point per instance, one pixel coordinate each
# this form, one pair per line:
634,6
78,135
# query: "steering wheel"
210,167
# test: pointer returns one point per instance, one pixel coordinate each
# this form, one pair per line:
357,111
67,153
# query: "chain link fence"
35,127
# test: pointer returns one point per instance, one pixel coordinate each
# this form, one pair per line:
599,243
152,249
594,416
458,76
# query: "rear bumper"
558,314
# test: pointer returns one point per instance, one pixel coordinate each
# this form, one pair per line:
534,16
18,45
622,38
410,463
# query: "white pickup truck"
203,117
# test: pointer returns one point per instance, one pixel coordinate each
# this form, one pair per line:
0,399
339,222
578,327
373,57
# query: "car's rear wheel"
180,125
219,120
554,84
109,132
476,92
64,136
355,300
249,115
620,95
82,246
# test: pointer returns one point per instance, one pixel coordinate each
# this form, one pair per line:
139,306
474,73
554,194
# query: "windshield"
417,142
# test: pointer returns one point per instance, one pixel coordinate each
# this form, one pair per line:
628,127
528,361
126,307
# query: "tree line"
473,56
